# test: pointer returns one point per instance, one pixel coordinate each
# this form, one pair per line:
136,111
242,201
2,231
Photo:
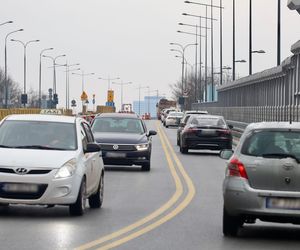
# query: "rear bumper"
213,144
242,200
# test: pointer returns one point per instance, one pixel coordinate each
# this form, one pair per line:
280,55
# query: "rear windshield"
207,121
261,143
118,125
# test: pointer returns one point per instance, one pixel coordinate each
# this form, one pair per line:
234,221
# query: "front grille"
33,171
109,147
22,195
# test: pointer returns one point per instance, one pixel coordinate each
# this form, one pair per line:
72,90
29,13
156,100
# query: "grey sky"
130,39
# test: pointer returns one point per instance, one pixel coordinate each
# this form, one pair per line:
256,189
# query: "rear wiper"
39,147
281,155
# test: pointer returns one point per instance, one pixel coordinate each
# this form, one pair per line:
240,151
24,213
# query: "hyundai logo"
115,147
21,171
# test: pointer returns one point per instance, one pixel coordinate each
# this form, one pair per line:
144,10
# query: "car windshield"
118,125
38,135
207,122
272,144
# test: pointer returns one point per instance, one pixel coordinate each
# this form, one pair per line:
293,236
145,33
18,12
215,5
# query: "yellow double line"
154,219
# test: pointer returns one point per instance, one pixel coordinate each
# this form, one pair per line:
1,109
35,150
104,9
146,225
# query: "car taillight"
190,130
237,168
224,132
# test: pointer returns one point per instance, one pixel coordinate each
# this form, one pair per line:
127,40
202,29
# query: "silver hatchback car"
263,176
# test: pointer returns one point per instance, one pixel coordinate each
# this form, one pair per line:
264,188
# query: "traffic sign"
83,96
94,101
73,103
110,96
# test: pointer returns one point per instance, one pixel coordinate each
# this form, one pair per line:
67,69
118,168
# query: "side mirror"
226,153
151,132
92,148
230,126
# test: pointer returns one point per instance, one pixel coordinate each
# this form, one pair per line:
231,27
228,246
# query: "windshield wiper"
281,155
39,147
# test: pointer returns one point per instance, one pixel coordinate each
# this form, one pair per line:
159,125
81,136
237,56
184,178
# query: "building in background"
147,105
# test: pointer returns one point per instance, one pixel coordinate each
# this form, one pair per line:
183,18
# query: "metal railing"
270,95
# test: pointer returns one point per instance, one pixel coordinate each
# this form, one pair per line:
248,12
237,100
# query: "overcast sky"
130,39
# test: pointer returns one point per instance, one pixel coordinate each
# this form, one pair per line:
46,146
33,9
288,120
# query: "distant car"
50,160
173,119
165,114
205,132
124,139
184,120
262,176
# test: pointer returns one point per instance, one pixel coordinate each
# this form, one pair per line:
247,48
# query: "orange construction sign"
84,96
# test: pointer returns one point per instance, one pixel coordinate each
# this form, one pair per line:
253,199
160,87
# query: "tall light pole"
54,69
6,23
109,79
233,40
5,64
122,84
24,99
278,33
183,48
40,76
139,88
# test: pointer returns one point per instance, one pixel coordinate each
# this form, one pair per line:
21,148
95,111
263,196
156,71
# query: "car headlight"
67,170
142,147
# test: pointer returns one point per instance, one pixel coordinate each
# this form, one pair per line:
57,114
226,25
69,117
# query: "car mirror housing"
92,148
230,126
226,153
181,124
151,132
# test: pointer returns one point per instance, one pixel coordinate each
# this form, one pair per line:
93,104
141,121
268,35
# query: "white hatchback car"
50,160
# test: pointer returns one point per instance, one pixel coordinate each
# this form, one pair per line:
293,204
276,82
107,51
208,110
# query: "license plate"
19,188
283,203
115,155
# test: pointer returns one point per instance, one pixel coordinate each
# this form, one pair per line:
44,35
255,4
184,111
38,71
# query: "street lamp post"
40,76
122,84
5,64
250,62
25,47
6,23
109,80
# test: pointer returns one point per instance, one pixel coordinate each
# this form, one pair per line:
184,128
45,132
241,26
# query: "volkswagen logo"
21,171
115,147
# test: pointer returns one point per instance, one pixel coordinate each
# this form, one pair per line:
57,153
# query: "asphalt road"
177,205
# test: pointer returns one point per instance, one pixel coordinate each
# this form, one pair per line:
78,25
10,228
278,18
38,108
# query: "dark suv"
124,139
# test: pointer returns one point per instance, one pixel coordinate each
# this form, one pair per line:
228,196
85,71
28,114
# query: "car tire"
178,141
146,166
184,150
231,224
78,208
96,200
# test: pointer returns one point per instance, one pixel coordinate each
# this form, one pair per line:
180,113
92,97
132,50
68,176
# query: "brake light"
224,132
237,168
190,130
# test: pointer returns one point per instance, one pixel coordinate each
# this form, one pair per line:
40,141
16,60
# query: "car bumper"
172,122
240,199
55,192
207,143
125,157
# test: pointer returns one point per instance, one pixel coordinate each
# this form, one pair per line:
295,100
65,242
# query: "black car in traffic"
124,139
205,132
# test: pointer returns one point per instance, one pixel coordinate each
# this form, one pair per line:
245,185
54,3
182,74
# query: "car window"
88,132
118,125
84,139
272,142
38,133
207,121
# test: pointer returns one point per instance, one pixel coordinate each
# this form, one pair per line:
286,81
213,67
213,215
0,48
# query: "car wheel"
78,207
231,224
184,150
146,166
96,200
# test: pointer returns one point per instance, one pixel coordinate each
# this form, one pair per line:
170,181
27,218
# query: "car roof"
121,115
39,117
196,112
273,125
207,116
